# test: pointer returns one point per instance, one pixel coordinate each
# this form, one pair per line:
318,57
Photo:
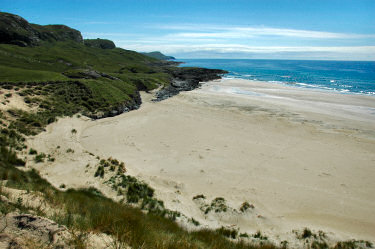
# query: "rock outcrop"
130,105
186,79
21,230
16,30
87,74
100,43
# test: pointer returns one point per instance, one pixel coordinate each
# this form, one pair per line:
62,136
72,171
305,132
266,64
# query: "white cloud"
243,31
198,40
109,35
229,48
243,51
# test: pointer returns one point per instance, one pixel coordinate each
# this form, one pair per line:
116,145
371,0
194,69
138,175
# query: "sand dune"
303,158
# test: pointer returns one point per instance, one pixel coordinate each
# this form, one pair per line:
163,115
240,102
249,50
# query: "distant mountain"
158,55
16,30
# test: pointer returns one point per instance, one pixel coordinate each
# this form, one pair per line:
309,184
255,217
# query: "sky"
259,29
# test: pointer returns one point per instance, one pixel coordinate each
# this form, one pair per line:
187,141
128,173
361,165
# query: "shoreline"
294,85
340,111
298,167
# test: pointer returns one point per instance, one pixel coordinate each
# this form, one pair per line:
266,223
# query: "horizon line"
267,59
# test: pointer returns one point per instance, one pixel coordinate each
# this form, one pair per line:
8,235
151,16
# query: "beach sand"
303,158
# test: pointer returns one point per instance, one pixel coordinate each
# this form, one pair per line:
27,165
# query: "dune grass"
87,210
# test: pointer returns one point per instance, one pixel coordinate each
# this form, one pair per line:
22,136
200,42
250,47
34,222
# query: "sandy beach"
303,158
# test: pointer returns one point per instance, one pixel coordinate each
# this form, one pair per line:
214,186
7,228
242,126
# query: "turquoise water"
341,76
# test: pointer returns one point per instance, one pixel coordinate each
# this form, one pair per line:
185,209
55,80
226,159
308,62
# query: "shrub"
258,235
195,222
121,169
99,172
218,205
32,152
50,159
244,235
306,233
201,196
353,244
245,206
40,158
228,232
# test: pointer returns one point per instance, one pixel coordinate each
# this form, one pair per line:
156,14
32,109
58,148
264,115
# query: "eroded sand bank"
303,158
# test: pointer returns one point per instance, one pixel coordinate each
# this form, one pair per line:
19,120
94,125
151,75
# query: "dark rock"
109,76
133,104
87,74
90,74
186,79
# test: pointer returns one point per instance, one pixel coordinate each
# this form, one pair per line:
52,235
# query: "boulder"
20,229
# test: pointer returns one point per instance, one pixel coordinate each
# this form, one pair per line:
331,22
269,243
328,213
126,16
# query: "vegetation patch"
245,206
352,244
40,158
259,235
228,232
197,197
218,205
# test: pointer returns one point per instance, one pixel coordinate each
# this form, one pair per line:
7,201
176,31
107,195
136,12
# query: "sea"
347,77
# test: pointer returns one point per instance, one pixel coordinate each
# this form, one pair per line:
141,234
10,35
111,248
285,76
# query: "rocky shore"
182,79
186,79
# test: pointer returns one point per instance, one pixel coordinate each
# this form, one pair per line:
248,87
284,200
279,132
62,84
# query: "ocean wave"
276,81
338,88
341,77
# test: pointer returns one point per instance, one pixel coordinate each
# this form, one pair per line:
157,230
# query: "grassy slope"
52,59
89,211
38,71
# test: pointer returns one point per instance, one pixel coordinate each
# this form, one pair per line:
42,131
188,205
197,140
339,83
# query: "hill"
159,55
16,30
100,43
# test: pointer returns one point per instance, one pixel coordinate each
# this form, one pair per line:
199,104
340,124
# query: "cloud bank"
215,41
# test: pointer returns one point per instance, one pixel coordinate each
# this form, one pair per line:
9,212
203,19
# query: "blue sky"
276,29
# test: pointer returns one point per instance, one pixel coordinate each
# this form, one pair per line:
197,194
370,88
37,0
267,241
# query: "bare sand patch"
9,99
